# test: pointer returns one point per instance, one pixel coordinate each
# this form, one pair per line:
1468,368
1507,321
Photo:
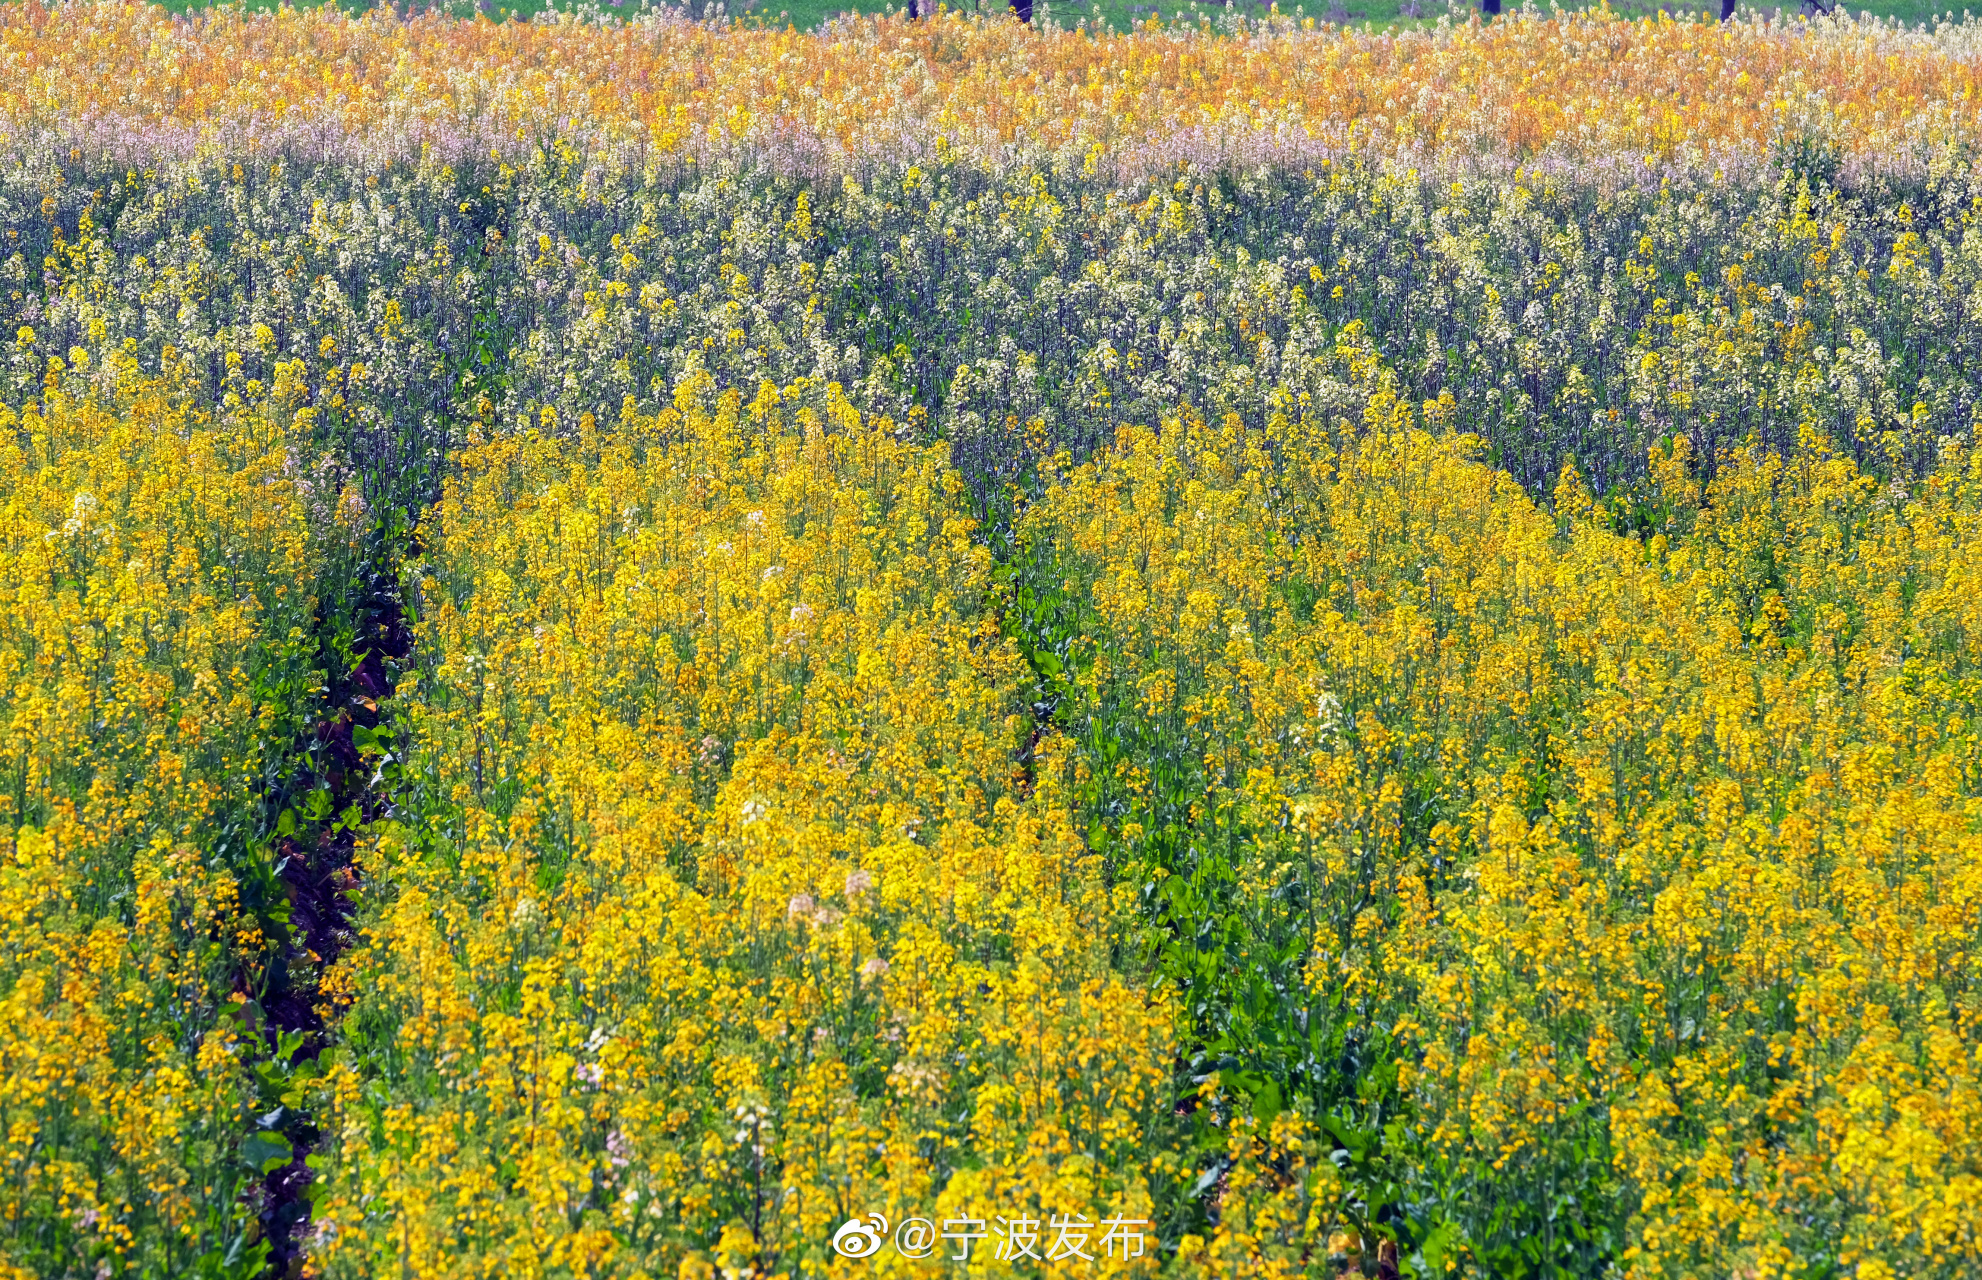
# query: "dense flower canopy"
1574,88
635,647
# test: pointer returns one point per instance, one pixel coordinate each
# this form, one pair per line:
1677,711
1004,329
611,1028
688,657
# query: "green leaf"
267,1151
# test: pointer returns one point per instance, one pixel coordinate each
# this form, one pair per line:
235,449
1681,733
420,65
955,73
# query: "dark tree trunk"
1726,9
1023,8
1491,8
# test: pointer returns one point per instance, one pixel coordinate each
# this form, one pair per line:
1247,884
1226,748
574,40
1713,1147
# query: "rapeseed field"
651,647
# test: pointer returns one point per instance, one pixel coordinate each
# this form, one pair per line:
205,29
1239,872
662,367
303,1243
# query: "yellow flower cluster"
1651,862
720,912
157,569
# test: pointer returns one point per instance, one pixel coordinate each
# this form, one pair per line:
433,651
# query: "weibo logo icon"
860,1237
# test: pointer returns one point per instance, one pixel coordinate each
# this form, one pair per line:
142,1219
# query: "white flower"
753,811
874,968
79,512
857,883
